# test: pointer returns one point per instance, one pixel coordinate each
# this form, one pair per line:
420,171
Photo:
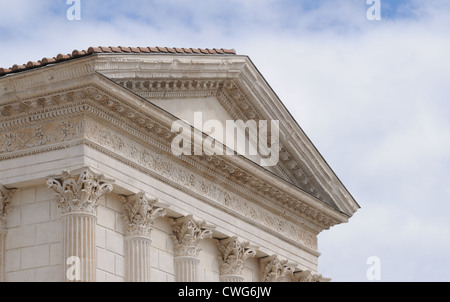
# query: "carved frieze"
40,135
163,166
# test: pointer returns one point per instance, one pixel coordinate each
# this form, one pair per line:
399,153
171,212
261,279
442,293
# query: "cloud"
372,96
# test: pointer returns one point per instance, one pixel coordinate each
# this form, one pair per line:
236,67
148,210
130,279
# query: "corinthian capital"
233,255
140,211
307,276
5,200
273,269
79,190
187,232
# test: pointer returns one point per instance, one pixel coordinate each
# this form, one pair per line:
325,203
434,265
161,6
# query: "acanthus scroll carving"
79,194
233,255
41,135
160,164
140,211
187,232
274,269
307,276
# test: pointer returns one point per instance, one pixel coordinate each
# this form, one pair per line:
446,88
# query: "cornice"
300,163
134,121
247,91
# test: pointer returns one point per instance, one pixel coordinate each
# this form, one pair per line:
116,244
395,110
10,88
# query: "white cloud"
372,96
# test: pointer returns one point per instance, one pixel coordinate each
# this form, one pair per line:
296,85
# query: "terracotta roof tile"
116,49
172,50
125,49
61,57
144,49
135,49
121,49
32,64
105,49
46,61
162,49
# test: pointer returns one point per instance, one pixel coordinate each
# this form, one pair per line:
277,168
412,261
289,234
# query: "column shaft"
186,268
78,240
137,259
231,278
2,254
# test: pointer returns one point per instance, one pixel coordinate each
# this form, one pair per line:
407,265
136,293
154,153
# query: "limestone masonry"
90,189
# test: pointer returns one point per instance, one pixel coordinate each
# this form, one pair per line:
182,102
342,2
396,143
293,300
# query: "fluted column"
5,200
140,211
187,232
274,269
232,258
77,195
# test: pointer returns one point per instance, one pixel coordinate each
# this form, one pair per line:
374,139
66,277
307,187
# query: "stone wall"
33,244
33,241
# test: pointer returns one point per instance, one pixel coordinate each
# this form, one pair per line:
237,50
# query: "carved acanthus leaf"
274,269
233,255
79,194
187,232
5,200
140,211
307,276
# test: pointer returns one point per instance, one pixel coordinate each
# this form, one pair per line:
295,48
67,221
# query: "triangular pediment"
229,88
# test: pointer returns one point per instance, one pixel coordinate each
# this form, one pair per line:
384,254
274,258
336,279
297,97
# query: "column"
5,200
274,269
140,211
232,258
187,232
77,195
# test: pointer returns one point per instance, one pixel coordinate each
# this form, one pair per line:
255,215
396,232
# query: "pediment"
231,88
223,87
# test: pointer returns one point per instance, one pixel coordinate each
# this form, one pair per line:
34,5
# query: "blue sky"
373,96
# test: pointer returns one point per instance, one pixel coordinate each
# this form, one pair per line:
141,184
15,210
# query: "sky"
372,95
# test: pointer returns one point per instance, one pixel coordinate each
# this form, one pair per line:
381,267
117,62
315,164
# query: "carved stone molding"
233,254
5,200
79,191
69,131
274,269
169,170
187,232
140,211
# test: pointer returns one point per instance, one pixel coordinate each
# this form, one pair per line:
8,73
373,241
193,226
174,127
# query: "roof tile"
116,49
46,61
125,49
162,49
106,49
144,49
121,49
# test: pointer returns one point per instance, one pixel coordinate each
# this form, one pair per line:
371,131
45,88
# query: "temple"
92,190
